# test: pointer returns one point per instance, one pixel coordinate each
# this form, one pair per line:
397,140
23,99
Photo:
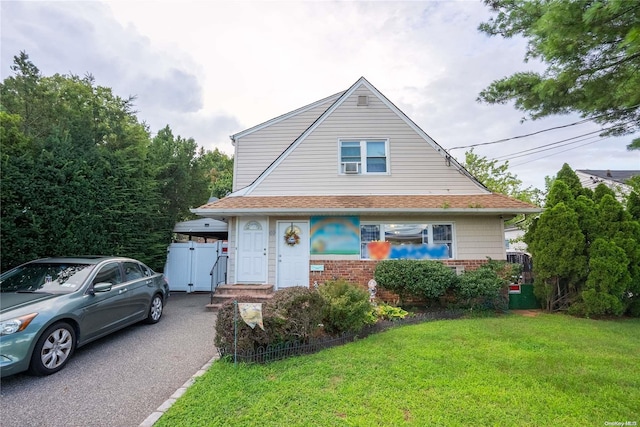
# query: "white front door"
293,254
252,251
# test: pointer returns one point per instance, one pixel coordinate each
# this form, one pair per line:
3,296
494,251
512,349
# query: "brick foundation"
360,272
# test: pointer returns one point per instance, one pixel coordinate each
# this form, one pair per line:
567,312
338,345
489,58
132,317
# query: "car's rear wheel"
155,309
53,349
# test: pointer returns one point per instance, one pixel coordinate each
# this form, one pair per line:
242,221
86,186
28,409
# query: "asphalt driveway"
121,379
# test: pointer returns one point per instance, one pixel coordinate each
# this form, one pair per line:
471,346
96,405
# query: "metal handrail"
214,285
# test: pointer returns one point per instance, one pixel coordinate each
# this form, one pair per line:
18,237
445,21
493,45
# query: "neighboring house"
615,180
513,239
327,190
517,251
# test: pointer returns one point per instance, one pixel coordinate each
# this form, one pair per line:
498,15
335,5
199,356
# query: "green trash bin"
521,297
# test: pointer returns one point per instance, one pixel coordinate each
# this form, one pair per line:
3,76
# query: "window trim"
429,224
362,164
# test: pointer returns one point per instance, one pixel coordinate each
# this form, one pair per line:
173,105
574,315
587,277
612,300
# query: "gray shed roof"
203,227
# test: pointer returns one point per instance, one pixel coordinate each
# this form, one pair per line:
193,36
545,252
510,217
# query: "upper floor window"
364,156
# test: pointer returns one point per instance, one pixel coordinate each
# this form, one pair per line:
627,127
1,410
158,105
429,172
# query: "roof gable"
362,82
283,117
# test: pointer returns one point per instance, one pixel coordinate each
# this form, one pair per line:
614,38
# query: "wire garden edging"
279,351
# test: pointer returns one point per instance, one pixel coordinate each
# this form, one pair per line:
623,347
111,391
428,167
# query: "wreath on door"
292,236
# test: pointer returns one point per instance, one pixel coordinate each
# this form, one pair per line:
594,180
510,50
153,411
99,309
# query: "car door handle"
122,291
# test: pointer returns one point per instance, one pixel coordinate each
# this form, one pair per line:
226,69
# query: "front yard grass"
504,371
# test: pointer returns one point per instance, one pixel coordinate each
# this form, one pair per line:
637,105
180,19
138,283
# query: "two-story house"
327,190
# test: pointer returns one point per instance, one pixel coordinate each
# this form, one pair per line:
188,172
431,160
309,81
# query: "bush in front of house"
247,338
418,279
298,313
393,276
293,314
480,288
384,311
347,307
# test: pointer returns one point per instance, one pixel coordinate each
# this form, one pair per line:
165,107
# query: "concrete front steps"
225,293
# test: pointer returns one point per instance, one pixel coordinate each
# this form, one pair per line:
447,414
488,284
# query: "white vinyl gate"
190,266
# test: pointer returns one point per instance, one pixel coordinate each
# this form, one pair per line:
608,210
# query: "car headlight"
17,324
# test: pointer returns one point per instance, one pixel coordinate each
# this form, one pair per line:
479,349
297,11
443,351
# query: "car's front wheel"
53,349
155,309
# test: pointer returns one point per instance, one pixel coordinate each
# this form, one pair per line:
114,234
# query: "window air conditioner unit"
351,167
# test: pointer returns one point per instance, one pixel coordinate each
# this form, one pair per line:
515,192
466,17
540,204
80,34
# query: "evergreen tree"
559,262
633,205
592,53
569,177
601,191
80,175
608,280
560,193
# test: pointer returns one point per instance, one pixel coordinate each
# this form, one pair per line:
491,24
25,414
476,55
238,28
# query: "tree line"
81,174
586,249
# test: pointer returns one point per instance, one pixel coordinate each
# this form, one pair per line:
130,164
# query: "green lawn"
550,370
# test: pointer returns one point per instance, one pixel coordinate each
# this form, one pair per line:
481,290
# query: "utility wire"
520,136
563,151
535,149
552,148
544,130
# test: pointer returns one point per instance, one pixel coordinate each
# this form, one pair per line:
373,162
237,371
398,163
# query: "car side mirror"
102,287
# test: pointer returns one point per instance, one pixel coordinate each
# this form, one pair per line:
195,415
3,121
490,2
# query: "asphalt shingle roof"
394,203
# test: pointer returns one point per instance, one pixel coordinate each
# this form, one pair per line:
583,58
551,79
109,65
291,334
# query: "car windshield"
55,278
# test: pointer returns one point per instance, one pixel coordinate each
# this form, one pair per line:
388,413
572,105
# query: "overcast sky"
209,69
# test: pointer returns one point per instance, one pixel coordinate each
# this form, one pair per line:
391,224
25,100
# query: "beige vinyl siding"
479,237
475,237
257,150
415,166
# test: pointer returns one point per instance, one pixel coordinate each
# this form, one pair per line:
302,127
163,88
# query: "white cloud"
211,69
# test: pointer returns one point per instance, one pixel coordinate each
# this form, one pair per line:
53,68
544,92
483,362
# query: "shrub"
388,312
480,288
299,310
431,279
634,308
596,303
393,275
507,271
247,338
411,278
347,307
292,314
607,280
